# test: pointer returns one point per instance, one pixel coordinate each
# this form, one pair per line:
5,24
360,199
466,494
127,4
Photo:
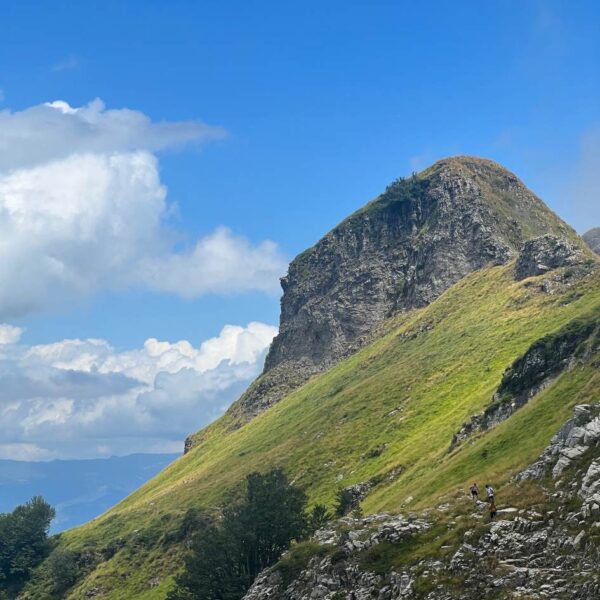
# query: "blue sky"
319,106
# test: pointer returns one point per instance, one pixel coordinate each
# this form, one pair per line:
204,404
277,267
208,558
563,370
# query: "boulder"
545,253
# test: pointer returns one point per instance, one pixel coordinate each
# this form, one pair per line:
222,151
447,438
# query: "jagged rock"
529,556
571,441
592,239
336,574
590,484
543,254
354,494
401,251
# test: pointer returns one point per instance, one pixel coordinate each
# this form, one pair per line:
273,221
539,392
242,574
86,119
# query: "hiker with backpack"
490,493
474,491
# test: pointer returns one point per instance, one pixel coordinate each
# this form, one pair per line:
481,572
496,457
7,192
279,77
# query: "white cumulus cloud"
82,209
82,398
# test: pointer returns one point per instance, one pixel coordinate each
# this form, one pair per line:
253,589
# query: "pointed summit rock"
399,252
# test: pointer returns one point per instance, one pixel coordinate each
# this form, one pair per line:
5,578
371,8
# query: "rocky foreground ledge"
550,550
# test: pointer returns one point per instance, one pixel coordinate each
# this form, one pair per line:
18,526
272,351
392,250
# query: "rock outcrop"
574,439
546,253
592,239
399,252
334,572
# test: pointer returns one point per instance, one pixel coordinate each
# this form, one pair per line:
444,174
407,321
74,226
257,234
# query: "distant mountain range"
78,489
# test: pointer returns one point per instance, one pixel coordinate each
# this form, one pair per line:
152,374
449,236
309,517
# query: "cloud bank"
82,209
81,398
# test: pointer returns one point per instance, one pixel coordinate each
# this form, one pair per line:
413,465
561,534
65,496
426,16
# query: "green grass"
405,395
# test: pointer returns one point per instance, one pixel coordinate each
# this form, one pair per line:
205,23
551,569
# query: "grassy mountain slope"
397,253
391,408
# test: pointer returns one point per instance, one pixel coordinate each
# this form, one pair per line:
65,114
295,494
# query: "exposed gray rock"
573,439
545,253
401,251
524,555
592,239
354,494
337,575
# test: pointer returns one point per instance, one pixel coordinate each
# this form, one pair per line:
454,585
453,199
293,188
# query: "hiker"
490,493
474,491
493,509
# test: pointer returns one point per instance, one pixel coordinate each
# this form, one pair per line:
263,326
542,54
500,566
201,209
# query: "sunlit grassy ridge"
393,406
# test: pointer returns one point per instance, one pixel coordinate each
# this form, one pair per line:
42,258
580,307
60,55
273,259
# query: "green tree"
23,541
226,557
318,517
345,502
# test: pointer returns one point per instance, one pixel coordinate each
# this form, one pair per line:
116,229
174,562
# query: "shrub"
63,566
318,518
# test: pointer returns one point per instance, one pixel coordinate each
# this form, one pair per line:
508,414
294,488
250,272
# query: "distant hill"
592,239
79,489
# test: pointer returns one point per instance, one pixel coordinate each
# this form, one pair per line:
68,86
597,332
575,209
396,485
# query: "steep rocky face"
545,253
592,239
399,252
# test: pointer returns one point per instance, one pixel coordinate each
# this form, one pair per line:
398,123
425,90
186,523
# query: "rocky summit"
399,252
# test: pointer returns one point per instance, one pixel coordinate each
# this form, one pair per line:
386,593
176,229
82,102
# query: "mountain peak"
401,251
468,161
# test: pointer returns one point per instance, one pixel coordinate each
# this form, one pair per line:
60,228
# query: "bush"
63,566
318,518
345,502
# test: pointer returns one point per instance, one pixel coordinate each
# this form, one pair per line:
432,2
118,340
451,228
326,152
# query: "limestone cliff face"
399,252
592,238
